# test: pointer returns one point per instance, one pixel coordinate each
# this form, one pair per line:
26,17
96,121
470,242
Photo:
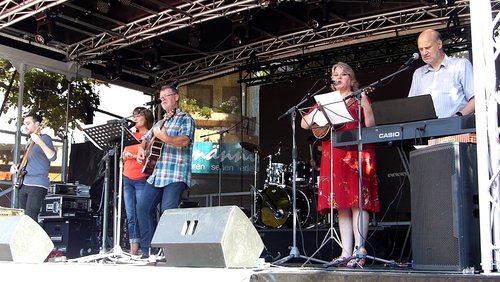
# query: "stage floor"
97,271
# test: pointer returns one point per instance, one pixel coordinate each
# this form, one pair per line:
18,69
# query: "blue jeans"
170,198
132,191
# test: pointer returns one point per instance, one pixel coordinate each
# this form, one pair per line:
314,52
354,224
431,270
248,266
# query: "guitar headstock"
368,90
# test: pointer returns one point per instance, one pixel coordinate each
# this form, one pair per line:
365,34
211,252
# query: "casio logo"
389,135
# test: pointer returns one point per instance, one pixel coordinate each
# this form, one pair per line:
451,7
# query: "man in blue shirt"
34,169
448,80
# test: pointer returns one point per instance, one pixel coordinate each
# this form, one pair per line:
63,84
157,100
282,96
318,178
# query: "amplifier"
65,206
69,189
72,237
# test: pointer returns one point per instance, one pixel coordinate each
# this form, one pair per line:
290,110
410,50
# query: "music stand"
331,111
107,137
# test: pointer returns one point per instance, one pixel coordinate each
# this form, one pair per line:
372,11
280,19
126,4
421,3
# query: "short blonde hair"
347,69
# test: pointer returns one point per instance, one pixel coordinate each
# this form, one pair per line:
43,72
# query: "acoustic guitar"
154,147
323,132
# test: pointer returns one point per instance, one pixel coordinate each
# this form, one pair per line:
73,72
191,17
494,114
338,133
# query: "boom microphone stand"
361,252
221,136
339,115
294,251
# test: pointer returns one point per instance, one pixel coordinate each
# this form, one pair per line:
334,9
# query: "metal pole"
17,147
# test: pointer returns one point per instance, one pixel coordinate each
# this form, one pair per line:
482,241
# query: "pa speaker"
444,207
70,236
208,237
23,240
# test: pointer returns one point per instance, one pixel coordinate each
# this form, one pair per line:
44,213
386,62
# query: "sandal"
353,263
340,261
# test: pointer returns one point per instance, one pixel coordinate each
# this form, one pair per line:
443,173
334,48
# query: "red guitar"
153,148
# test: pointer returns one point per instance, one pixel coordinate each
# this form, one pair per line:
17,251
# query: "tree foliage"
47,93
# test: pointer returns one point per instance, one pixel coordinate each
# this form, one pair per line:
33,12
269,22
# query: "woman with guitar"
33,172
166,152
344,172
134,181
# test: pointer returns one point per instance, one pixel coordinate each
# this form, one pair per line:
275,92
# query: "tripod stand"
294,251
360,254
107,137
256,151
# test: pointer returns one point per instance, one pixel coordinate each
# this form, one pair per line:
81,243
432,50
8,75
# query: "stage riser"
383,242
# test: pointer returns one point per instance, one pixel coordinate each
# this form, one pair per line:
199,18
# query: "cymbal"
281,145
251,147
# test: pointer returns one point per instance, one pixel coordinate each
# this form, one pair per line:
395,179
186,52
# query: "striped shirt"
451,86
174,163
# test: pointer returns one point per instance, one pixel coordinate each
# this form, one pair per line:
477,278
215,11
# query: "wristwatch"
459,114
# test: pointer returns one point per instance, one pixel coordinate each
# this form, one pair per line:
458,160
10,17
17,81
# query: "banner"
235,160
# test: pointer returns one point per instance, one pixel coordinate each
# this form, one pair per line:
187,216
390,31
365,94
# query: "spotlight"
316,17
103,6
240,34
194,37
150,58
44,30
113,67
445,3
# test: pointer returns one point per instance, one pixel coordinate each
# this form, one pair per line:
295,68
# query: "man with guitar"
166,153
33,172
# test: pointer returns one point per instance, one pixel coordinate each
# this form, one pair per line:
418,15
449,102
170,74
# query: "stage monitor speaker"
208,237
23,240
444,207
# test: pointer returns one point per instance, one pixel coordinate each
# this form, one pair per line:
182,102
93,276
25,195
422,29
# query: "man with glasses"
170,175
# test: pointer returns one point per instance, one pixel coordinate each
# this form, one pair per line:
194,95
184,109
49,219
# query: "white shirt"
451,86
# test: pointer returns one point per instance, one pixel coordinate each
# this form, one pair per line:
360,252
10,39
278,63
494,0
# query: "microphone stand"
294,251
361,252
221,136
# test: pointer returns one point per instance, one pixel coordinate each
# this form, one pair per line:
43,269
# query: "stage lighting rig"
44,28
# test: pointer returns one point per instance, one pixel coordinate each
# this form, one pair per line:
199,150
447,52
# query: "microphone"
329,81
412,59
152,103
130,124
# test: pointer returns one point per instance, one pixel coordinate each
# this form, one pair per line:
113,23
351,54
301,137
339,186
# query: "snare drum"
276,206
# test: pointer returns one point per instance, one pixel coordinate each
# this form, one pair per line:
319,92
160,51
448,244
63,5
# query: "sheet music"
334,107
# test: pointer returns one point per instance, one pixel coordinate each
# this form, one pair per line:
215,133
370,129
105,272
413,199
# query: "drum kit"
273,203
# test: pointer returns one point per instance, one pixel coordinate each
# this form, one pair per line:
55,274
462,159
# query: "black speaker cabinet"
71,237
444,207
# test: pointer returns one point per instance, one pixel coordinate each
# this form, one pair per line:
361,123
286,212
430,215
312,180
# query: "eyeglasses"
168,95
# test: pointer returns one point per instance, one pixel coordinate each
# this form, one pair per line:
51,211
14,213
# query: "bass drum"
276,206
